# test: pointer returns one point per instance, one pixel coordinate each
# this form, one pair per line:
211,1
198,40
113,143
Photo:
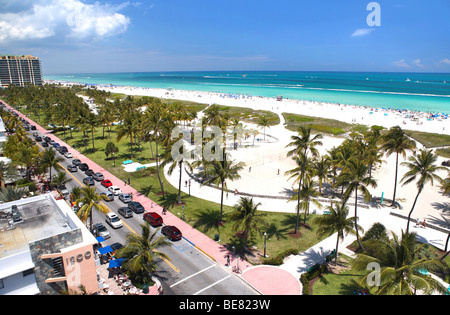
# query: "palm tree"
356,177
90,200
129,128
219,172
49,160
336,222
322,171
304,166
11,193
396,141
247,218
401,268
140,252
422,165
264,123
5,169
308,194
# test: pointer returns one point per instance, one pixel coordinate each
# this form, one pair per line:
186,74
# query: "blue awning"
100,239
105,250
115,263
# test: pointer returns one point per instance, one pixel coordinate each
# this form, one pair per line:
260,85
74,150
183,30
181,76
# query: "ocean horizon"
425,92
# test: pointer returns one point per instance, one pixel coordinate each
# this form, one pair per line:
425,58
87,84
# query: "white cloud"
362,32
445,61
418,64
401,64
71,18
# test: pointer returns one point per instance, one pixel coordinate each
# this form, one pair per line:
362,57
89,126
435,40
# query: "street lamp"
114,158
265,238
189,187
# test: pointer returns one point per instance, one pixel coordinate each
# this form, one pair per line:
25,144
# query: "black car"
45,144
62,149
89,172
136,207
33,127
83,167
125,212
72,168
88,181
76,162
47,139
38,139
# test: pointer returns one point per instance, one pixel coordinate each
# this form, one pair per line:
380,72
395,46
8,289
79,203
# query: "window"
1,284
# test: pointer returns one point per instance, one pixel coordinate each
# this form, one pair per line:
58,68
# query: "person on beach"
423,224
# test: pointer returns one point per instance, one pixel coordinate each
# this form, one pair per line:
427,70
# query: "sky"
83,36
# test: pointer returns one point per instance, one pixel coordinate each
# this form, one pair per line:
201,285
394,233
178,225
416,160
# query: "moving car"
113,220
106,183
97,176
88,181
136,207
125,198
172,232
153,218
100,230
115,190
125,212
109,196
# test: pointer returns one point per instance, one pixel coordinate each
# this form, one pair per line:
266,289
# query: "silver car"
97,176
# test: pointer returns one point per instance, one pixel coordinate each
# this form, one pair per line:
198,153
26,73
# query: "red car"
106,183
153,218
171,232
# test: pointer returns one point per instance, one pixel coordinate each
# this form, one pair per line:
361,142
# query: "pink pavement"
268,280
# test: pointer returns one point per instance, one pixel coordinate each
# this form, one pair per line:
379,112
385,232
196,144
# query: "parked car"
115,190
113,220
106,183
32,127
47,139
100,230
172,232
88,181
125,198
153,218
125,212
97,176
83,167
89,172
68,155
109,196
76,162
72,168
62,150
136,206
38,139
64,191
45,144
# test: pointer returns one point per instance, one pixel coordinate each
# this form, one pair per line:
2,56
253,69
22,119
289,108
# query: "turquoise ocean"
426,92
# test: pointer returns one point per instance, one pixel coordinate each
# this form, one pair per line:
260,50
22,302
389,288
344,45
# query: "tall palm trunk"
157,169
179,182
356,219
395,183
221,205
412,209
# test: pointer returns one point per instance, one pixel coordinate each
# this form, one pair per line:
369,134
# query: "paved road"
189,271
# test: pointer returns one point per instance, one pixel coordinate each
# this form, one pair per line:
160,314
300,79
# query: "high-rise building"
20,70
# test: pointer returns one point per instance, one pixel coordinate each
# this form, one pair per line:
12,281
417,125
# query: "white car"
113,220
68,155
115,190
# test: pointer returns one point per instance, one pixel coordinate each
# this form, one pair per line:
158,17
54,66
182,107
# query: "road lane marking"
193,275
217,282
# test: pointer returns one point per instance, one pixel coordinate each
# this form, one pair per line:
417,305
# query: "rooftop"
38,218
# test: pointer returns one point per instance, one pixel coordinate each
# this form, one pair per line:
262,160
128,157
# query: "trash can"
145,289
216,237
